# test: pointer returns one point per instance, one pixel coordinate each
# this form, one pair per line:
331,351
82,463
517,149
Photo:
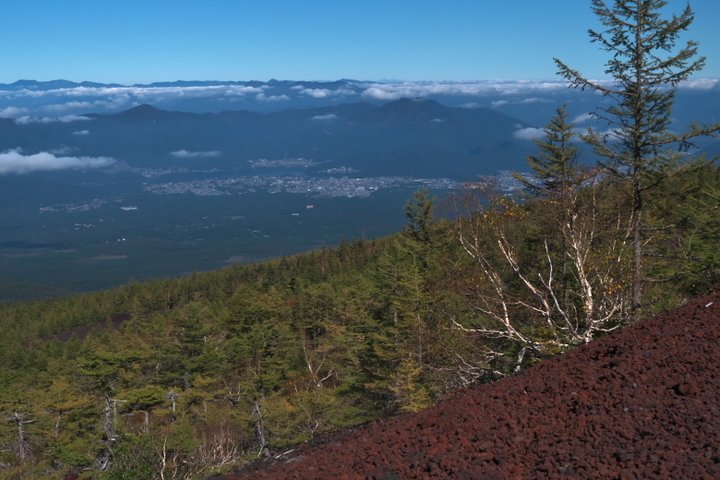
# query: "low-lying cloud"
66,119
10,112
522,101
395,91
189,154
526,101
329,116
13,161
261,97
528,133
62,107
325,92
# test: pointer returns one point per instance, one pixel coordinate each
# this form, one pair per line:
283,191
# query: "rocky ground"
643,403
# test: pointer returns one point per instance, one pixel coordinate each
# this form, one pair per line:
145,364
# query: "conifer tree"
646,68
420,212
555,169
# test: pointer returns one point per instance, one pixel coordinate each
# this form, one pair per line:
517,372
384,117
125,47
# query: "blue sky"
159,40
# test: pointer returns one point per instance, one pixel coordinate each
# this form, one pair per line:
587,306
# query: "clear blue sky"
163,40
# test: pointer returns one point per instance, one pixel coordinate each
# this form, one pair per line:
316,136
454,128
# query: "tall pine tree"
646,66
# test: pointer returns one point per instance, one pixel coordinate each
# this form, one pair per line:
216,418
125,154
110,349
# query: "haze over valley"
98,189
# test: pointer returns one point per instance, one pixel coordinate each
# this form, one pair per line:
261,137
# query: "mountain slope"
641,403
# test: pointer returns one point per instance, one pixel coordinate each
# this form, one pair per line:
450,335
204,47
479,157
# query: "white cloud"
379,93
470,105
533,100
583,117
81,132
9,112
188,154
528,133
61,107
14,161
66,119
700,84
329,116
316,92
241,90
524,101
325,92
28,120
73,118
439,120
114,102
261,97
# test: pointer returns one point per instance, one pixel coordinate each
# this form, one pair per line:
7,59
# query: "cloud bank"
14,161
395,91
33,105
66,119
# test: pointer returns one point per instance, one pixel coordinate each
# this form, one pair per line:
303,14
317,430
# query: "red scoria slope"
643,403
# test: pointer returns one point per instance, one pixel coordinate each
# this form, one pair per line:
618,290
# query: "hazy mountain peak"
409,110
148,112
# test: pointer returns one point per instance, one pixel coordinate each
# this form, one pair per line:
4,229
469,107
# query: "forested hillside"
212,369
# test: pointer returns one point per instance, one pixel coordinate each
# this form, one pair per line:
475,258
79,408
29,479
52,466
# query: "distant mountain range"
533,101
413,137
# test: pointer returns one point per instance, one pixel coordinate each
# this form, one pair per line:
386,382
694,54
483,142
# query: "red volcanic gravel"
643,403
